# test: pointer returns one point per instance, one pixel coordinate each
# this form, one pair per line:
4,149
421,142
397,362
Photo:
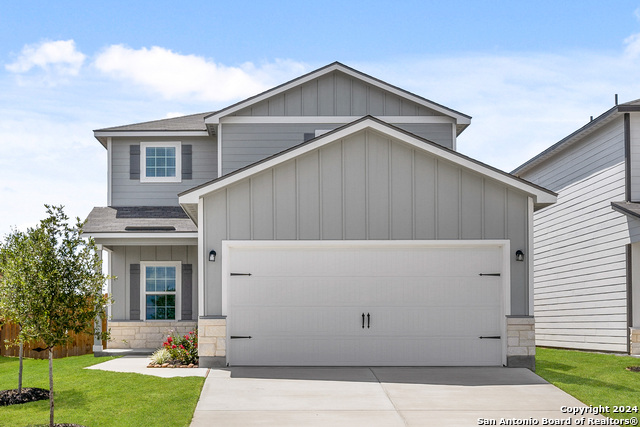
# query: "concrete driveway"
276,396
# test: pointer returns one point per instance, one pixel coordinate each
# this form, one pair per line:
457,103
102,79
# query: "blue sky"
529,72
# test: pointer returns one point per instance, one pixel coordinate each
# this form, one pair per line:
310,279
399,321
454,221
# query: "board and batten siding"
123,256
244,144
579,246
365,187
336,94
132,192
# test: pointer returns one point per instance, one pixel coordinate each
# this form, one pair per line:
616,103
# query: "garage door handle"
368,320
489,274
362,320
496,337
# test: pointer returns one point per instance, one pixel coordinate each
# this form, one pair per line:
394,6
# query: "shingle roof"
604,118
192,122
141,219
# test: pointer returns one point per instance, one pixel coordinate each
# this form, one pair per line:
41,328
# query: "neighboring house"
327,221
587,245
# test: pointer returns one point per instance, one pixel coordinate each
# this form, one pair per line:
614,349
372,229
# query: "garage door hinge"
240,274
489,274
238,337
496,337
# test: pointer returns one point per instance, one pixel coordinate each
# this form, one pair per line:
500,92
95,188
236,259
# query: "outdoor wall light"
519,255
212,255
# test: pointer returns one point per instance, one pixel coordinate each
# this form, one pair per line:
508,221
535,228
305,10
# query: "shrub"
183,348
160,356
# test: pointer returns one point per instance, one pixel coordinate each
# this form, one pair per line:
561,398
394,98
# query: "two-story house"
587,245
327,221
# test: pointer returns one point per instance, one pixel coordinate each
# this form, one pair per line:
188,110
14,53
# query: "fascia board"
137,133
460,118
333,119
541,196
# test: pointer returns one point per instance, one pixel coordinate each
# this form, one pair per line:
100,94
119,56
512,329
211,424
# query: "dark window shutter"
187,283
134,291
134,162
186,162
308,136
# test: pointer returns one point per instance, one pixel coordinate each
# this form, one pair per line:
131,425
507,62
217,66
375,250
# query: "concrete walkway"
138,365
270,396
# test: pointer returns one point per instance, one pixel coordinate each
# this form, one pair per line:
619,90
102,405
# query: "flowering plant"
183,348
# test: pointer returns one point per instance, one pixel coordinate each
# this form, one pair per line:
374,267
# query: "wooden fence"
79,345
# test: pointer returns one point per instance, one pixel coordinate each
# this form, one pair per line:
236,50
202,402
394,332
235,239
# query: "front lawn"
98,398
593,378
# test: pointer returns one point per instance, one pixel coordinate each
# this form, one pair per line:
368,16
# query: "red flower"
174,346
169,339
186,337
181,346
191,333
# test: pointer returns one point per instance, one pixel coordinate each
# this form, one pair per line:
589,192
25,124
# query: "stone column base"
521,342
635,341
212,341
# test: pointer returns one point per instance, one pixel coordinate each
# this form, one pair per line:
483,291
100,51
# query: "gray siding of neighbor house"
580,261
244,144
123,256
635,156
336,94
365,187
132,192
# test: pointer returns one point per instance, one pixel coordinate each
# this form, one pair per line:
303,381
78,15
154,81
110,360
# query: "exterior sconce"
212,256
519,255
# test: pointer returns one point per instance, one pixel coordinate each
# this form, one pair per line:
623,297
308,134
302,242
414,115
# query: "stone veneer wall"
212,341
521,342
635,341
138,334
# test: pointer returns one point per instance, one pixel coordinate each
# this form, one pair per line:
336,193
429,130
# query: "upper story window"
160,162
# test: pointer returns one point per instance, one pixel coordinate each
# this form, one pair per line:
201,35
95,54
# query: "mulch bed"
633,368
29,394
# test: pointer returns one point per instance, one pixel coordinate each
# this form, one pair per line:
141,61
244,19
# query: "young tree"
12,307
56,277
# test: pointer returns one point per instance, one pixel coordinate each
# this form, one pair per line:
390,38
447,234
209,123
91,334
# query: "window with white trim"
160,162
161,289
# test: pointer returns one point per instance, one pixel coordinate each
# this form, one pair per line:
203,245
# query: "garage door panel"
409,262
426,306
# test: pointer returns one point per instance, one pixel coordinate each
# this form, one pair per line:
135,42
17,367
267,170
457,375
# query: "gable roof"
189,199
568,141
188,123
462,120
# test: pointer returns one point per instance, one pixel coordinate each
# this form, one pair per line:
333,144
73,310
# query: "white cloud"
177,76
59,56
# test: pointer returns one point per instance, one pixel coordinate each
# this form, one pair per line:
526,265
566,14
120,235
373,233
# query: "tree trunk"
50,386
20,368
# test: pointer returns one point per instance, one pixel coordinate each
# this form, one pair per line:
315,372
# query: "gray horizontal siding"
123,256
635,157
366,187
128,192
336,94
244,144
579,246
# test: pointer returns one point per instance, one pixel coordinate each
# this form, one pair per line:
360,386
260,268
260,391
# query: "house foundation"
635,341
521,342
138,334
212,341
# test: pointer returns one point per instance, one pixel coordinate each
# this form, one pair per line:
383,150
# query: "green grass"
593,378
98,398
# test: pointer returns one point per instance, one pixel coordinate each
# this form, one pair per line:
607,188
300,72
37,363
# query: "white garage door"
374,304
